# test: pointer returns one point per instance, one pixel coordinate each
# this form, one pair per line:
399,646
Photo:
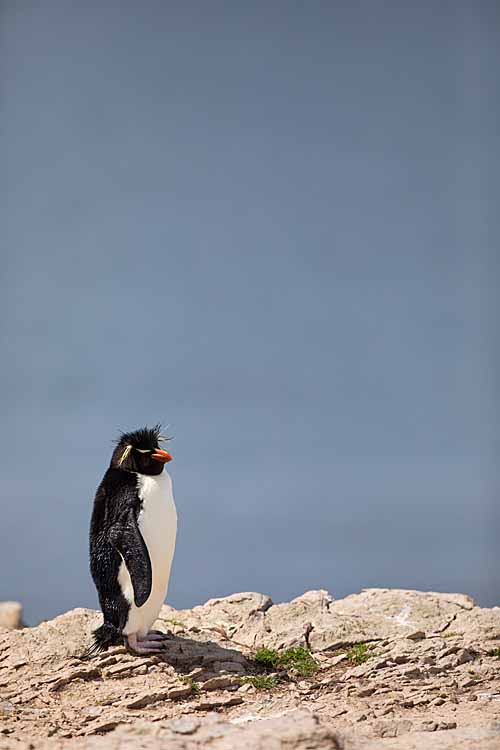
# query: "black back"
114,534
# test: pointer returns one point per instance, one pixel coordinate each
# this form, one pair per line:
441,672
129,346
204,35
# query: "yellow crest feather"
125,454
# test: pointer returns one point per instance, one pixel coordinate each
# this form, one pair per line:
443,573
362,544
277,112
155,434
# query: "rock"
296,730
122,670
219,683
403,726
102,727
465,738
88,673
11,615
65,637
359,717
252,619
417,635
478,625
210,703
464,655
55,701
7,708
92,712
198,673
444,725
185,725
389,728
365,692
224,616
148,698
228,666
437,702
410,672
246,688
337,660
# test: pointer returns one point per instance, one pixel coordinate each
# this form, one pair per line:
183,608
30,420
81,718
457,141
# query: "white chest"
157,522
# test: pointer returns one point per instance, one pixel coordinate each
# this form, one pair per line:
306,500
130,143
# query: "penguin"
132,541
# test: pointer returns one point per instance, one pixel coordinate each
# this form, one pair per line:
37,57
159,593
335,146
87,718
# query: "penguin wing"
127,540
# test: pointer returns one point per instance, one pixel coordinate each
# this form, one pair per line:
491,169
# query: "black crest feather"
144,439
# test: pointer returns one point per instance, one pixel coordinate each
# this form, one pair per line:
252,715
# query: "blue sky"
272,226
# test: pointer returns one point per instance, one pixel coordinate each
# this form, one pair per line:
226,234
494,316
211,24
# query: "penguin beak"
160,455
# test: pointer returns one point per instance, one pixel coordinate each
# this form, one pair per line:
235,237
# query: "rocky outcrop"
395,669
11,615
253,620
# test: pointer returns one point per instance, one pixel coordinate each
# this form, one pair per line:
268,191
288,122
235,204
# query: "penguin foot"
149,647
144,646
156,635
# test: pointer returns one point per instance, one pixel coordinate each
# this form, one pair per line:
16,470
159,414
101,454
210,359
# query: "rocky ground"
393,669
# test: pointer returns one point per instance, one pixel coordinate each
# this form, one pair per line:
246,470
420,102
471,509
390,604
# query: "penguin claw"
144,646
147,647
155,635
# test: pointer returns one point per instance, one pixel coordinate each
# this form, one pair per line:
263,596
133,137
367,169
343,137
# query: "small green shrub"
266,657
195,688
299,661
358,654
261,681
494,652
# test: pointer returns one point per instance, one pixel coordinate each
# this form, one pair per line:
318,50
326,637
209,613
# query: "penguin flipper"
127,540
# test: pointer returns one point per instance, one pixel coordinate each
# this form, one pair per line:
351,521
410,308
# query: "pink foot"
144,645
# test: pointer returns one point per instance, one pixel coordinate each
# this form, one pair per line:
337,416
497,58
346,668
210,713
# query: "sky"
274,227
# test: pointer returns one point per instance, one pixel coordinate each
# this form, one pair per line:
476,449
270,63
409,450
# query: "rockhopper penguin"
132,541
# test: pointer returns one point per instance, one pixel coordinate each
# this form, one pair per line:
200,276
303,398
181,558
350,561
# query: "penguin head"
139,451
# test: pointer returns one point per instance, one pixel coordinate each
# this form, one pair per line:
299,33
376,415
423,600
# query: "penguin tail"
104,637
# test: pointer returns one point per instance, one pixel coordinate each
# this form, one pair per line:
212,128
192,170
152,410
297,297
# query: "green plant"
195,688
266,657
299,661
494,652
261,681
358,654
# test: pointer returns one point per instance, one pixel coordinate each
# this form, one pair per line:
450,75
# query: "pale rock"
11,615
95,705
212,702
417,635
184,725
219,683
246,688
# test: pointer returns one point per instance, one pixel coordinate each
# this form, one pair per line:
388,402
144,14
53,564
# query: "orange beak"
162,456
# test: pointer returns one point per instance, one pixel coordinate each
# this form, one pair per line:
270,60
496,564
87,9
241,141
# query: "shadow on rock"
206,657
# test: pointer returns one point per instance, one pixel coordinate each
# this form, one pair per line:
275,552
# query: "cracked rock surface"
427,675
